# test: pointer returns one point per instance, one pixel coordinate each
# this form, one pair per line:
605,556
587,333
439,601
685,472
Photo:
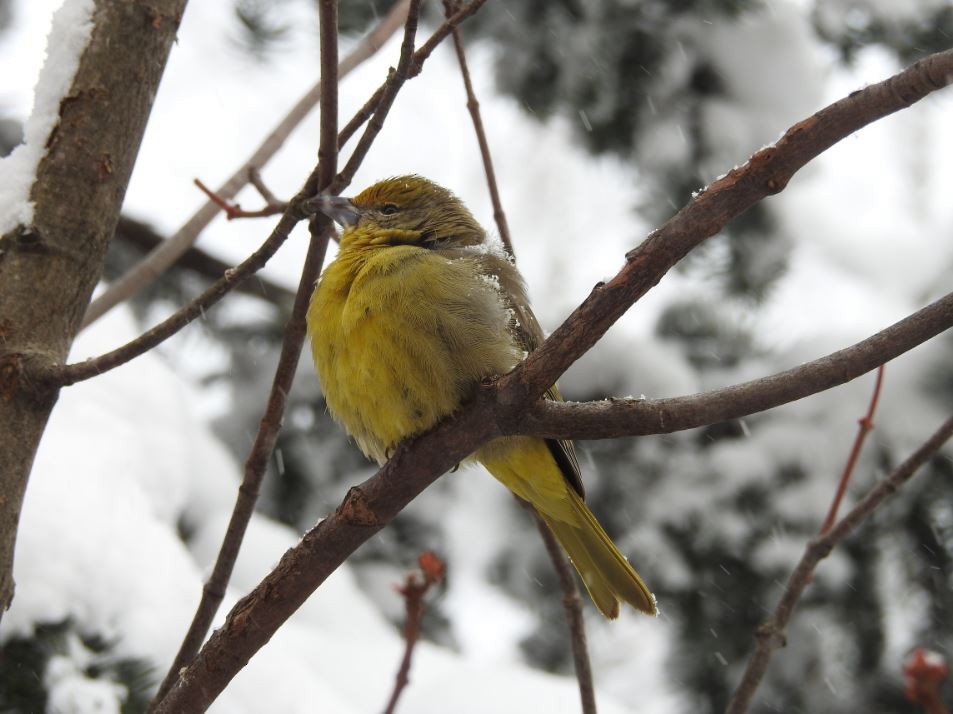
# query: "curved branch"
639,417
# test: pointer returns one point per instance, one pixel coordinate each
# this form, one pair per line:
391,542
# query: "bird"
419,307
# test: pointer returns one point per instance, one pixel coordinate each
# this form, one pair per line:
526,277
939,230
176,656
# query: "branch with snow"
69,35
419,462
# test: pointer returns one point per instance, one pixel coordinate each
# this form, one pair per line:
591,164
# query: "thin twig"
214,589
420,56
864,427
361,116
394,82
159,260
572,605
770,635
474,107
255,179
234,210
414,589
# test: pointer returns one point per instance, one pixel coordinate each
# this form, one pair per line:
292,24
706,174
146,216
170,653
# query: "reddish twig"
234,210
572,605
474,108
770,635
273,205
924,672
865,426
414,589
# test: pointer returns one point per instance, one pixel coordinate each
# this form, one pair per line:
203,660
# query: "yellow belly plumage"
401,335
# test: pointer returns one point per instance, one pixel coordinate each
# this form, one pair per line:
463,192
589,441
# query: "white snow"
69,34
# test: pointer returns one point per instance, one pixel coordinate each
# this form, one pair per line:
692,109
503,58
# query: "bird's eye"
389,209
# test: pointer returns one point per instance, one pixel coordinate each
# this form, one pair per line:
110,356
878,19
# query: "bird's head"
404,210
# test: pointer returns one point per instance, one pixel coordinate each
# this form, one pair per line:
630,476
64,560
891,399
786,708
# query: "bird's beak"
337,208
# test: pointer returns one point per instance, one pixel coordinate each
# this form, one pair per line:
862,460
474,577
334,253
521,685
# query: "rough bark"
48,269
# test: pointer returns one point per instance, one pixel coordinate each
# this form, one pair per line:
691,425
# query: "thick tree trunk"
48,269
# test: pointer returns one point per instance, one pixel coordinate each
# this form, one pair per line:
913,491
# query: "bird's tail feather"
605,572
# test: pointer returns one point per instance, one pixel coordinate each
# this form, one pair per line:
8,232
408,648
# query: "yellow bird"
417,309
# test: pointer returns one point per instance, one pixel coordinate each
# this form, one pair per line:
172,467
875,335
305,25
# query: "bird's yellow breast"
400,336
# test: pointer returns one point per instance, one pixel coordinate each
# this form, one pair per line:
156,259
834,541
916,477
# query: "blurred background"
603,118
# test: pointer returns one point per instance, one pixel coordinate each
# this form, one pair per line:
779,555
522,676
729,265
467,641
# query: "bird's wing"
529,335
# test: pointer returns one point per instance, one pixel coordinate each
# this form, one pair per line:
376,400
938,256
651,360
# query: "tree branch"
613,418
65,375
473,105
770,634
572,605
420,56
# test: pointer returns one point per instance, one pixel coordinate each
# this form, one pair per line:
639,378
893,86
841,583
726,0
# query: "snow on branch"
70,32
